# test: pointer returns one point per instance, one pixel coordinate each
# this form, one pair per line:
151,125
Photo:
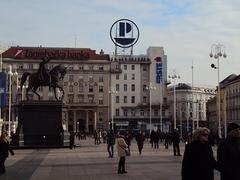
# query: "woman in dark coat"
198,161
4,148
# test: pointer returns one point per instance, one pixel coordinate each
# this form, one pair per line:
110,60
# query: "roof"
54,53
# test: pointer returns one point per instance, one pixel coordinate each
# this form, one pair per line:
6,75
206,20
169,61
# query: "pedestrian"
110,143
4,149
198,160
122,147
176,141
228,154
140,138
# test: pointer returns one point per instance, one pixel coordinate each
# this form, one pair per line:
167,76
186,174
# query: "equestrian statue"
45,77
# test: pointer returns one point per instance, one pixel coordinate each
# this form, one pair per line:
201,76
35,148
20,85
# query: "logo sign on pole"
3,86
158,70
124,33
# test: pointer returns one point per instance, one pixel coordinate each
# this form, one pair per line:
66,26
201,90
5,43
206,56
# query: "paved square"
91,162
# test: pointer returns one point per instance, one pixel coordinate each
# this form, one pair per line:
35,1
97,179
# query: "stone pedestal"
40,122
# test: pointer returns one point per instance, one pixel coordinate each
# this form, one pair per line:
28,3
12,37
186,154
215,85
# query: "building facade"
190,106
85,84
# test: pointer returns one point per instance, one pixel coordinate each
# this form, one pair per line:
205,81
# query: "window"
100,100
70,98
90,67
155,112
81,87
117,112
125,87
90,99
90,88
133,67
81,67
144,99
90,79
80,78
125,99
133,87
100,88
144,68
100,68
117,99
71,88
117,76
117,87
141,112
70,78
125,67
133,113
144,87
30,66
133,76
125,113
100,78
133,99
125,76
80,98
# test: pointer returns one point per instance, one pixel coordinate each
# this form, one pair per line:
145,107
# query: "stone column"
95,120
87,120
74,120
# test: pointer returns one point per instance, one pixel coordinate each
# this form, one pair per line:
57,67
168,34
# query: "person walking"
4,149
228,154
71,140
176,141
122,147
110,143
198,160
140,138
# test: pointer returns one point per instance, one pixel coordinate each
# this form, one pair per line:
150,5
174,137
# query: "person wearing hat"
228,154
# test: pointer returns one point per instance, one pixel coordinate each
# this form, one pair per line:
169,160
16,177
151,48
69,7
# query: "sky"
186,29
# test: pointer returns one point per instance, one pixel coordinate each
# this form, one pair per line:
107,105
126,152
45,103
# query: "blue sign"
3,88
124,33
159,74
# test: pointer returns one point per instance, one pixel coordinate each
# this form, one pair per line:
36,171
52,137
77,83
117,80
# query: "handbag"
127,152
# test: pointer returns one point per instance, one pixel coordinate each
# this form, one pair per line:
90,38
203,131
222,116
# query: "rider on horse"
43,73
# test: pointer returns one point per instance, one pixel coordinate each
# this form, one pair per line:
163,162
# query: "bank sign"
124,33
159,73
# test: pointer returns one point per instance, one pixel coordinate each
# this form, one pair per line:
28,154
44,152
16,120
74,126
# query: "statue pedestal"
41,123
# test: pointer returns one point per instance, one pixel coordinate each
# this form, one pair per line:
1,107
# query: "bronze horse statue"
56,74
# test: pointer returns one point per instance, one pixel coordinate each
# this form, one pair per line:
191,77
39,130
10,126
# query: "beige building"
86,84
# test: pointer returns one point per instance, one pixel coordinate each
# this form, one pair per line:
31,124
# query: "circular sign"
124,33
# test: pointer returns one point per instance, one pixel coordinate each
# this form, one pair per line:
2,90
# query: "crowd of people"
198,161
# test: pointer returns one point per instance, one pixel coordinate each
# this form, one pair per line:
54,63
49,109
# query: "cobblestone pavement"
89,162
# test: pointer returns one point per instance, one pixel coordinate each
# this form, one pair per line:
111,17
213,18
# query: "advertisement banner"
3,89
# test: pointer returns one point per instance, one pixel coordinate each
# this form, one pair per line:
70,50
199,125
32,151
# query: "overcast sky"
185,28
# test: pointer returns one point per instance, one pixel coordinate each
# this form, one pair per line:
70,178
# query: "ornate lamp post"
174,77
217,51
112,92
10,73
150,88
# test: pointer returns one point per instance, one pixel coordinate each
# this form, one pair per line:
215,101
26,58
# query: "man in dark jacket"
228,154
4,148
176,141
110,143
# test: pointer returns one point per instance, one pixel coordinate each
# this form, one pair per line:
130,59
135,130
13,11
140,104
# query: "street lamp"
112,92
150,88
217,51
9,98
16,77
174,77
